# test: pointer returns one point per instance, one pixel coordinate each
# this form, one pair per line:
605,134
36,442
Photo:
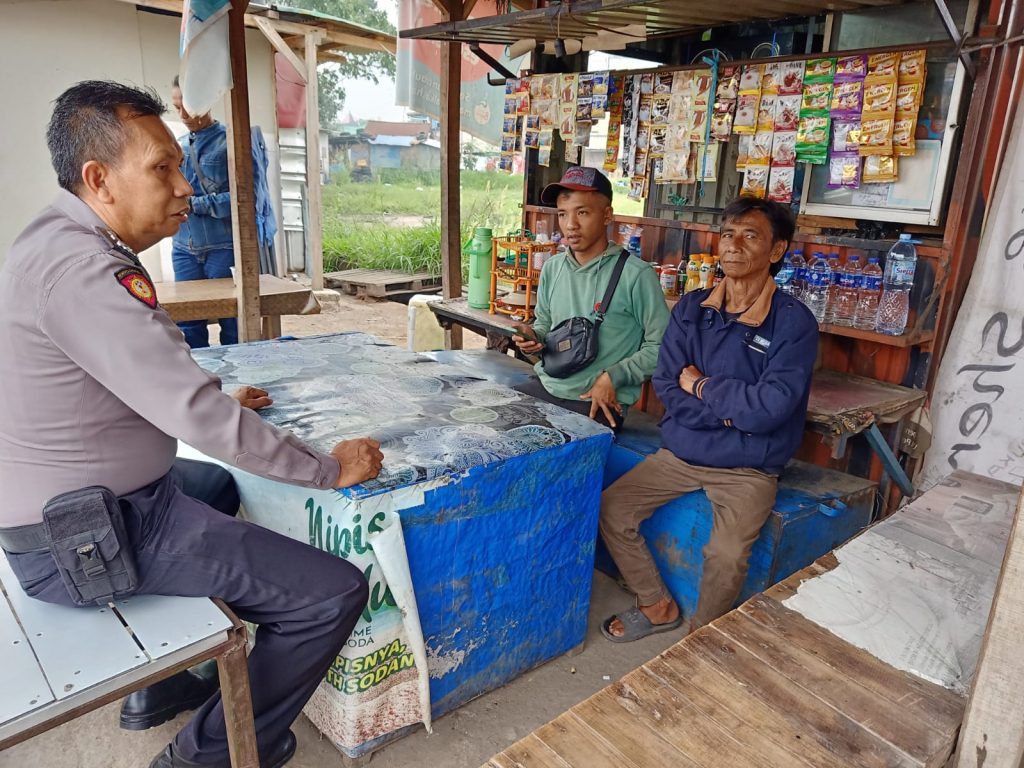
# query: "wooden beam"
467,8
993,730
314,226
275,39
451,219
335,57
243,199
350,40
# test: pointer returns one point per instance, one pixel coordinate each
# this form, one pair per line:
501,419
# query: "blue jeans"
211,265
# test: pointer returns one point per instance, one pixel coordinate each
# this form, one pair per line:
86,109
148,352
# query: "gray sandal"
637,625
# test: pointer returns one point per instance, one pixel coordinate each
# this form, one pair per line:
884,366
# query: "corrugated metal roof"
660,18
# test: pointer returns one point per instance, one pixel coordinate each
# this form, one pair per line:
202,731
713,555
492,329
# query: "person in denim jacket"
204,246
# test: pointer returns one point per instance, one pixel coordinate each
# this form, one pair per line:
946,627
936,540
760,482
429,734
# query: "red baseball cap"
579,178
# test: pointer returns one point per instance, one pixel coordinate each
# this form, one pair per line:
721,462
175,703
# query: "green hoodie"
630,335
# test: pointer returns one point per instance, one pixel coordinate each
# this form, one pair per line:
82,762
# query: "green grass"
358,217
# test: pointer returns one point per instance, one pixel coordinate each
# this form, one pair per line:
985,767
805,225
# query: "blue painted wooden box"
816,510
502,562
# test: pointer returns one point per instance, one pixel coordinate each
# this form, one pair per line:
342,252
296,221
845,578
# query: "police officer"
99,385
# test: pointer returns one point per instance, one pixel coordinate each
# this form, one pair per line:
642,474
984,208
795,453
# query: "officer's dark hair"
87,124
175,82
779,216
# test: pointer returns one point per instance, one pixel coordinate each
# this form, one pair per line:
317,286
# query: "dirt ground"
465,738
387,320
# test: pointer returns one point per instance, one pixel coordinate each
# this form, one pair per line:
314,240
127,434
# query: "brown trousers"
741,500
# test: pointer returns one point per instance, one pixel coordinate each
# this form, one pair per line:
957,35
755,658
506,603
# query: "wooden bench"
861,659
57,662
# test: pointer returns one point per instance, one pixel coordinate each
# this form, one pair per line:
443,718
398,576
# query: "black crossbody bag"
571,345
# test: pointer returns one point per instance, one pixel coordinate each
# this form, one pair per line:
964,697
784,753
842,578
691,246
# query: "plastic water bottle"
836,265
785,278
894,305
848,292
867,299
799,273
819,277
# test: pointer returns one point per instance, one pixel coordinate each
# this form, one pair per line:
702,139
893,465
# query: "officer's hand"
360,461
527,339
602,398
252,397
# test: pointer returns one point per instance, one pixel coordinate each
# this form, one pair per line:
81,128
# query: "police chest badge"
138,285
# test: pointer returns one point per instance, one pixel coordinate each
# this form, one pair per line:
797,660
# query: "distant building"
382,144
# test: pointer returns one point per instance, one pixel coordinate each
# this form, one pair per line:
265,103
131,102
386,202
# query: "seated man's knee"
727,549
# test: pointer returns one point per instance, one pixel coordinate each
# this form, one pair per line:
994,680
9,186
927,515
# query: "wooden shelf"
909,339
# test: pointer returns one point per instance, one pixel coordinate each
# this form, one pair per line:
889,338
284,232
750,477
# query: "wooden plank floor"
766,686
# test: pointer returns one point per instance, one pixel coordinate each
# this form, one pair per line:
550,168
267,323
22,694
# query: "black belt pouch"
88,541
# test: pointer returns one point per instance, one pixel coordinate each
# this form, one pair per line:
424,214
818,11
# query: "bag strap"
198,170
612,285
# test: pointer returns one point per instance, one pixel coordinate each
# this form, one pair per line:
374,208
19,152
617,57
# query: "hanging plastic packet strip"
755,180
780,184
847,99
784,149
912,66
749,99
844,170
908,97
879,169
790,78
883,64
787,112
876,136
903,140
816,96
728,84
880,96
761,148
721,124
846,136
851,68
750,79
819,71
745,120
743,151
766,112
770,80
812,138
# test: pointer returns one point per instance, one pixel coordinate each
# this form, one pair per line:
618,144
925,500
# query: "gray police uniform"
99,385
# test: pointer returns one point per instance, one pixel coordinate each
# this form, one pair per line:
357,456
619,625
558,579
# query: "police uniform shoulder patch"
137,285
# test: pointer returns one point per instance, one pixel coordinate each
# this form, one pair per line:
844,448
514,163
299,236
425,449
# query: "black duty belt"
24,538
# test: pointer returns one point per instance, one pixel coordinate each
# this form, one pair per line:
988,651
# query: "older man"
99,385
734,375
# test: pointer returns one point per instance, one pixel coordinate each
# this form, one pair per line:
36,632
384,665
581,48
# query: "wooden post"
992,734
315,227
243,199
451,218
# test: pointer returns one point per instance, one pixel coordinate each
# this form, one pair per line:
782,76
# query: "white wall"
47,46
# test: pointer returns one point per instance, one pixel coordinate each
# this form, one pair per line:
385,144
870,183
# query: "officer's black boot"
161,702
274,757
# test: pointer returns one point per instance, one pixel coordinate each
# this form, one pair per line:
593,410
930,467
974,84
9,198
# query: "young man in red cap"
573,282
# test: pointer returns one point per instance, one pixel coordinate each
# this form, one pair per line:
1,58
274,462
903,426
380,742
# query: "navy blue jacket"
751,409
